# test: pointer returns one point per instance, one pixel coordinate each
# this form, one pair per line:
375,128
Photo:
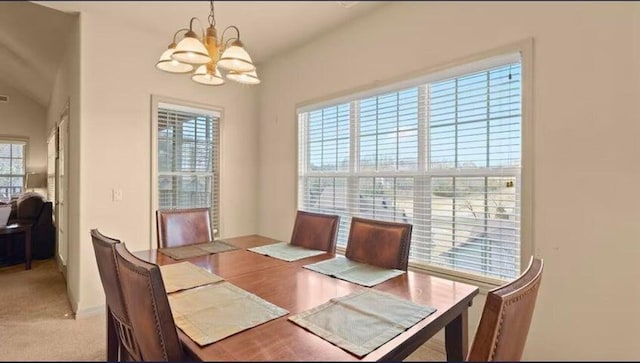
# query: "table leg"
27,248
112,339
455,338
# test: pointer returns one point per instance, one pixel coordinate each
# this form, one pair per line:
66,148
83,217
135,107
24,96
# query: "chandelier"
209,56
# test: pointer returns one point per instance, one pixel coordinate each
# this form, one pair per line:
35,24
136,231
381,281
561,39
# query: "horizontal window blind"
188,160
444,156
326,144
12,167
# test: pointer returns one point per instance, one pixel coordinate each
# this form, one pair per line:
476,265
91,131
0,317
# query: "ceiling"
30,55
31,36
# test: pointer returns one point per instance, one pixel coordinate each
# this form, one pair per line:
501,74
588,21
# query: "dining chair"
315,231
379,243
103,248
506,317
180,227
146,301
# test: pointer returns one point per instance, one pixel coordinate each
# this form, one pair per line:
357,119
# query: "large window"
444,155
12,167
187,159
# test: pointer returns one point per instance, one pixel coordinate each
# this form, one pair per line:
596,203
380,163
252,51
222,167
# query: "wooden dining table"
296,289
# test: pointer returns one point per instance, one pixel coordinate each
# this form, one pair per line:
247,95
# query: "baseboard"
89,312
72,301
81,313
61,267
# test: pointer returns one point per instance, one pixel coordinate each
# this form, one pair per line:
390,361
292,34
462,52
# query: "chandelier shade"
235,58
208,55
190,50
209,75
244,77
168,64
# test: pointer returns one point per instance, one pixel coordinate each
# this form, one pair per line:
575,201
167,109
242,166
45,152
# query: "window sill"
484,286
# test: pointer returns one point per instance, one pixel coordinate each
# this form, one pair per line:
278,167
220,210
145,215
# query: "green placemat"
352,271
362,321
285,251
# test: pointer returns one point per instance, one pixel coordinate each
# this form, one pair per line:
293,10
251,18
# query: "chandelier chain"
212,17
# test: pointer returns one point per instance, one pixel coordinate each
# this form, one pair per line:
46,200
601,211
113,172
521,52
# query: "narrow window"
187,159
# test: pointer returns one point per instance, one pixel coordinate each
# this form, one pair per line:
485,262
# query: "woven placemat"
214,312
285,251
201,249
362,321
352,271
185,275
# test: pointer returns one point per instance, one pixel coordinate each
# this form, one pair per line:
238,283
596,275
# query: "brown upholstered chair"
148,306
315,231
34,209
179,227
103,248
506,318
379,243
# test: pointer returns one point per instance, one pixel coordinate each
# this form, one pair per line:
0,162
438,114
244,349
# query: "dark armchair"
33,208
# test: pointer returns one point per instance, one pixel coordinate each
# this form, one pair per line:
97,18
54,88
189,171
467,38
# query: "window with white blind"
444,155
187,159
12,167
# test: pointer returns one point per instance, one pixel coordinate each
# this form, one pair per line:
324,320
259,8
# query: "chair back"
29,206
315,231
506,318
379,243
146,300
180,227
103,247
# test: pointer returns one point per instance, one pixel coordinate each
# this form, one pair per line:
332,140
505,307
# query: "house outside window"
444,155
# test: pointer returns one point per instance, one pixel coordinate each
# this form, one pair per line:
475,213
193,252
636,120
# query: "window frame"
9,139
478,61
156,100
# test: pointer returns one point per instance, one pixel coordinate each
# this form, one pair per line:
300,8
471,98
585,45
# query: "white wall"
585,130
66,89
117,80
25,118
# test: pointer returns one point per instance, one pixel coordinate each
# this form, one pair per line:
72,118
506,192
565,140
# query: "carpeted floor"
36,321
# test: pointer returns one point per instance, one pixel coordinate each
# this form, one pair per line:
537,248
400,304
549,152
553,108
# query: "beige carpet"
429,351
36,321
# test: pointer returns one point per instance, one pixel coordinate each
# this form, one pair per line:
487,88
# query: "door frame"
62,241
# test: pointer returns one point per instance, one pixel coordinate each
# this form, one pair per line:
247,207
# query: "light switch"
116,195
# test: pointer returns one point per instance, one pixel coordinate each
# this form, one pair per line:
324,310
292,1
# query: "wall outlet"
116,195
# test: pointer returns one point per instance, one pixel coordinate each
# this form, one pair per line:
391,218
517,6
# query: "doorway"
57,168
